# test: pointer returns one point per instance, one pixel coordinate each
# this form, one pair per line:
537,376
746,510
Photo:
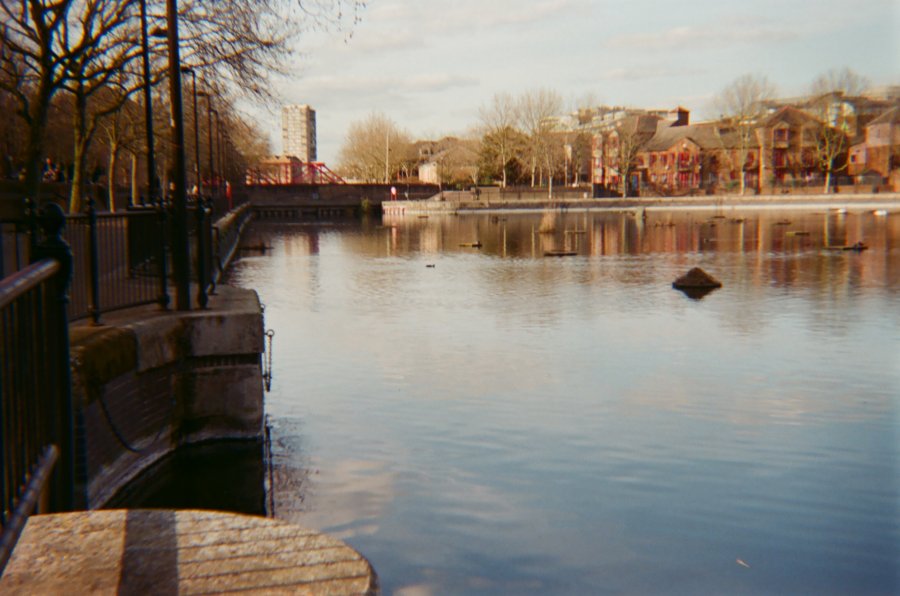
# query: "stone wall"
150,381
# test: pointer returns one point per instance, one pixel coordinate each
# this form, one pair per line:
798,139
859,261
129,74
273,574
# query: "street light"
189,70
180,249
218,155
209,111
148,108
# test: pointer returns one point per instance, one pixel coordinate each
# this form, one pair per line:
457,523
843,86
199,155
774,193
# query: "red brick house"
788,147
877,154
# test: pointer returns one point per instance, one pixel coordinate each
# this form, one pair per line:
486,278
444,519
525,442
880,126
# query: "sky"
429,65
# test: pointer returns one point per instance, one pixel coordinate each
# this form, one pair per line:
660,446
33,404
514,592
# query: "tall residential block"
298,132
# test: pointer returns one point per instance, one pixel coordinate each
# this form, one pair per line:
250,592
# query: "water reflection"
505,422
221,475
634,233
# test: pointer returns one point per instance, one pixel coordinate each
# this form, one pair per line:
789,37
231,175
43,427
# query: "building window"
781,135
779,159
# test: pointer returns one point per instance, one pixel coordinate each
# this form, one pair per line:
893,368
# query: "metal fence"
36,421
119,261
122,259
114,261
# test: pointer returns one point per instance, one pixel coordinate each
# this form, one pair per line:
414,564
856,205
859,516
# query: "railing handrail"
36,420
20,282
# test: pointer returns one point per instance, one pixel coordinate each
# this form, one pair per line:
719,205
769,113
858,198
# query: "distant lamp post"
148,107
219,162
180,248
190,71
209,112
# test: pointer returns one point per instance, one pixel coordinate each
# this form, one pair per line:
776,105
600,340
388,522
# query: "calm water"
506,422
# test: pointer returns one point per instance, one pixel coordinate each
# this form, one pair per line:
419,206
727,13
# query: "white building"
298,132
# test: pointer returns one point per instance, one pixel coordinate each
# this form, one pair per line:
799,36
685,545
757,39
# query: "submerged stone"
696,278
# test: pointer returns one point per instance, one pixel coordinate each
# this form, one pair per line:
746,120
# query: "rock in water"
696,278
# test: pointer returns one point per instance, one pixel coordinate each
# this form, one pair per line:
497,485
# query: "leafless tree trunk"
537,110
742,105
499,122
363,155
843,80
832,136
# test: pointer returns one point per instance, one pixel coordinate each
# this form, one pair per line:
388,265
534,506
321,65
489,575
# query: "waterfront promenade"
466,201
180,552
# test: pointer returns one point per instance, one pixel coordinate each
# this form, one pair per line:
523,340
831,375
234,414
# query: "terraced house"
803,145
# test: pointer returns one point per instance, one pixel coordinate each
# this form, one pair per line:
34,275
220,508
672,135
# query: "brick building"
298,132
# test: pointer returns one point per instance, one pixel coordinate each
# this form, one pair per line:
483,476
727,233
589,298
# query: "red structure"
287,169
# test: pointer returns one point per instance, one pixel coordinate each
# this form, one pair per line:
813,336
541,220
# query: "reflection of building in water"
430,239
306,243
757,233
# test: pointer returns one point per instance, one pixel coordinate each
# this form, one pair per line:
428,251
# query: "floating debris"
783,222
858,247
471,244
430,265
742,563
560,253
798,233
880,212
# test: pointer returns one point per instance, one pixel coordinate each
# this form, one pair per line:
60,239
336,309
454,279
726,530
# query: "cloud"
642,73
395,41
437,17
726,33
381,85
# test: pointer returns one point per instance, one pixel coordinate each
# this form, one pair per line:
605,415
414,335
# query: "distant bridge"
293,201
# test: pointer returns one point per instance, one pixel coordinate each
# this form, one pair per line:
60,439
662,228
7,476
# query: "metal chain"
267,362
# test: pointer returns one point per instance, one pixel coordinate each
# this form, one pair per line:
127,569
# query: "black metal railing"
122,260
36,416
113,261
119,260
225,237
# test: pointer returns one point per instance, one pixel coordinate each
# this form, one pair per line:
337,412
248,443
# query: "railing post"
215,261
52,220
202,298
163,256
94,255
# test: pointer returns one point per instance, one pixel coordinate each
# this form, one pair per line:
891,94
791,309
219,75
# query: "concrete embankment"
180,552
461,202
149,381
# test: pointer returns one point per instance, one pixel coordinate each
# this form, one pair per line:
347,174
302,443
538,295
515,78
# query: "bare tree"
537,114
840,80
79,45
97,77
510,168
499,136
578,143
836,127
122,131
459,161
627,141
742,105
32,57
368,148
